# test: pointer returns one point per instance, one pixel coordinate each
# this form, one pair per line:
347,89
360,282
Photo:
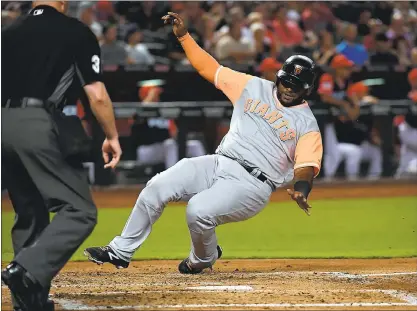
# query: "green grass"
354,228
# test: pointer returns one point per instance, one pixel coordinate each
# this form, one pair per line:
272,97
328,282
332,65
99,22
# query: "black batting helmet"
299,71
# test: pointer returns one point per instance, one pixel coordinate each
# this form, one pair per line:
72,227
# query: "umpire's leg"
30,135
31,213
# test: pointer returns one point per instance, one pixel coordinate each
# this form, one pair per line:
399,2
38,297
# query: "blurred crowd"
376,33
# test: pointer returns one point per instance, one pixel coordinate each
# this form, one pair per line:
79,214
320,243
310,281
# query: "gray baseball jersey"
264,134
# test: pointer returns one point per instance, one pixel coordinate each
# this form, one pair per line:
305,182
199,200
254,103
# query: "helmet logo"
297,69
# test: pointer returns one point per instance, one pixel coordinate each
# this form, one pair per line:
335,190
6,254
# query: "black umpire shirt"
49,56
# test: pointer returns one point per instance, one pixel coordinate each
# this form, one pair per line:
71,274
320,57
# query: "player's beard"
290,99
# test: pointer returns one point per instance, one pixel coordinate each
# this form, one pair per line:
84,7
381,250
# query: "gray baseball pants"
218,190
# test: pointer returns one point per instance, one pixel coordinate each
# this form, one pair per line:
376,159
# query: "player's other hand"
111,146
177,23
300,199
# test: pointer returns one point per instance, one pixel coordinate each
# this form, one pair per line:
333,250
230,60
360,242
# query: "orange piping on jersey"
309,151
303,104
279,105
277,102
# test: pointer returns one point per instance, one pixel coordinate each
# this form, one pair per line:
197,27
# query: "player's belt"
24,102
256,173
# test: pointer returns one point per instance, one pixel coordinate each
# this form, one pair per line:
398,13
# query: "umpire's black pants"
39,181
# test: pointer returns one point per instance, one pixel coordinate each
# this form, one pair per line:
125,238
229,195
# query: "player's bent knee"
155,195
198,219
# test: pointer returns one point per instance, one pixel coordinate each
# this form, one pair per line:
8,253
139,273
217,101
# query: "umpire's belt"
25,102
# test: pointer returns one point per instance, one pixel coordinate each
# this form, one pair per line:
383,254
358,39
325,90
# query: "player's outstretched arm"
230,82
303,183
308,155
202,61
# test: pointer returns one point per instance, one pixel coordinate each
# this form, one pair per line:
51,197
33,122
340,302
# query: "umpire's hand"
111,146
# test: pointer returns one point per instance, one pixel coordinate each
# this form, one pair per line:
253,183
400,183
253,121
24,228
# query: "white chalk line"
119,284
408,297
251,274
412,299
332,273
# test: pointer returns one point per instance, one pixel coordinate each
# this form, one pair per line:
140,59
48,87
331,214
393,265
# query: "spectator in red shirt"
375,27
316,15
288,32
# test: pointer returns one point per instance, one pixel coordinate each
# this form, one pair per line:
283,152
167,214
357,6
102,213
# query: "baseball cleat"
26,291
100,255
185,266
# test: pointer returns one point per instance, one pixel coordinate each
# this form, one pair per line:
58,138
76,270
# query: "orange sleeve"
231,83
309,151
202,61
325,85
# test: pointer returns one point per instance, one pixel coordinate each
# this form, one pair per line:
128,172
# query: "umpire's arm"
230,82
88,68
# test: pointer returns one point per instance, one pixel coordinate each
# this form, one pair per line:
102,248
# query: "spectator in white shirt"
137,52
233,45
236,15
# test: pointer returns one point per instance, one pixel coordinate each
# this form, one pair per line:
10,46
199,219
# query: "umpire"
48,59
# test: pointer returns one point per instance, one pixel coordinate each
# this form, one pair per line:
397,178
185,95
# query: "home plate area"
354,284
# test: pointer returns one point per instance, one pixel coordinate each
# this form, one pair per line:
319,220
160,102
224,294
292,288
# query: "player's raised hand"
178,26
300,199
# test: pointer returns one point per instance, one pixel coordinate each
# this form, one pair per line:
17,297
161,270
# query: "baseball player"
332,90
273,139
407,133
155,135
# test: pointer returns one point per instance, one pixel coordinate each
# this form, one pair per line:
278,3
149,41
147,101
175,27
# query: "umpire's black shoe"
27,292
185,266
100,255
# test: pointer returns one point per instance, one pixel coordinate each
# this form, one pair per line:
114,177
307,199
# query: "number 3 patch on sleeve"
96,63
